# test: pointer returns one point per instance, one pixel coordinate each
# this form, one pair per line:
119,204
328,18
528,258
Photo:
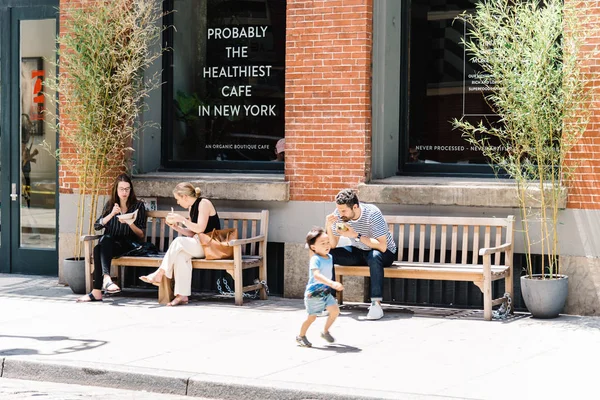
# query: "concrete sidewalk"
214,349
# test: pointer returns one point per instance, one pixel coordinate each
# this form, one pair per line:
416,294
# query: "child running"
317,296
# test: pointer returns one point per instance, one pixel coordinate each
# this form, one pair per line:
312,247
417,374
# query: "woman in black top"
177,261
120,236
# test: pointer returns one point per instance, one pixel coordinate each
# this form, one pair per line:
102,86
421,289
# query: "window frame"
403,45
167,118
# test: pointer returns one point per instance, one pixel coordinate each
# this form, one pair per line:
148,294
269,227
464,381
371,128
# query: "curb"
185,384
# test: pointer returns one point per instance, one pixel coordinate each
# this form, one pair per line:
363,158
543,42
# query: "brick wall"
67,179
328,96
584,191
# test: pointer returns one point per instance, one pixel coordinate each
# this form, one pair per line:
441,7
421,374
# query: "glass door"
32,187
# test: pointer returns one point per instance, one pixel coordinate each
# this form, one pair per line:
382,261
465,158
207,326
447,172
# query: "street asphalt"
211,348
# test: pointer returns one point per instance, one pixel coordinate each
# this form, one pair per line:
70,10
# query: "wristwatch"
357,238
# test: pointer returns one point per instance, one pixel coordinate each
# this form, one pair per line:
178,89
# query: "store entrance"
28,183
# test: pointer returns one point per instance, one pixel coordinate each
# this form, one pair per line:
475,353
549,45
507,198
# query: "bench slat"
400,242
465,243
453,249
498,243
411,242
433,220
443,244
421,243
475,258
432,239
424,272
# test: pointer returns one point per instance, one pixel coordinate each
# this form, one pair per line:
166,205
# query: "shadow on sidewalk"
81,345
338,348
359,312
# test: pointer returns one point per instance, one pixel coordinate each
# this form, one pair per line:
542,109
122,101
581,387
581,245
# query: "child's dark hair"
313,235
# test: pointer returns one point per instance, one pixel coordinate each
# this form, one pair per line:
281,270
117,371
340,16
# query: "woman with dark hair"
120,235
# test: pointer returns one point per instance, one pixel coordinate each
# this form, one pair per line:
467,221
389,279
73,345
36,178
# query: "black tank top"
213,221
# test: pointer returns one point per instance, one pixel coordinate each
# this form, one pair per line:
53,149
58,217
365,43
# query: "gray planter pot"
545,298
74,274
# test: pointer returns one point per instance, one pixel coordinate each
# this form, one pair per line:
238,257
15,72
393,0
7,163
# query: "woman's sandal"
177,302
109,284
145,278
91,299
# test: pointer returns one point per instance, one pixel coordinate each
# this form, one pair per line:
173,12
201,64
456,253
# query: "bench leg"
262,276
237,276
508,287
165,291
487,299
88,269
340,293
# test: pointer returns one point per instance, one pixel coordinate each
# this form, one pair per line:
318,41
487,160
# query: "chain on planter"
505,308
231,293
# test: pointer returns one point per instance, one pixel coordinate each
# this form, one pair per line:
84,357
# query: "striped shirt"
370,224
116,228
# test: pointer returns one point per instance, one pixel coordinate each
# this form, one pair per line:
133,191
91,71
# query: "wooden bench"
250,251
428,248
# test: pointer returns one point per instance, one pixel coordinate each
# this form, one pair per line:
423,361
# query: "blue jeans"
375,259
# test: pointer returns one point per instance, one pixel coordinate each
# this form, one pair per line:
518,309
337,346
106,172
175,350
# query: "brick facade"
584,191
67,179
328,104
328,96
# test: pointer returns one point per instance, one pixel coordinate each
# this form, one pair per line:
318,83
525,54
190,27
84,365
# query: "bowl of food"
171,218
340,226
127,217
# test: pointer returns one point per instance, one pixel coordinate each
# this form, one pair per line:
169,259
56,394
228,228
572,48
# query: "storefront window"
225,85
443,84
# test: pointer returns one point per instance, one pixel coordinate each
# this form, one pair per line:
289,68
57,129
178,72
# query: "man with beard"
371,242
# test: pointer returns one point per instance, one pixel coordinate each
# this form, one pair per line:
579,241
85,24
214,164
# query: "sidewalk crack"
2,368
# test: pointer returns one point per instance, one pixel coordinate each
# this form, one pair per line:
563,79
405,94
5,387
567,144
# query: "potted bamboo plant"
530,53
104,49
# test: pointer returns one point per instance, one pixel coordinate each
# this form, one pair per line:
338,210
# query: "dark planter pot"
74,274
545,298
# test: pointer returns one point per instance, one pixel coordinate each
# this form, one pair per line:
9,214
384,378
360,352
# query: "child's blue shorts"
316,305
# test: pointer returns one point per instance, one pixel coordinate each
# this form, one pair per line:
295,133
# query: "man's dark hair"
347,197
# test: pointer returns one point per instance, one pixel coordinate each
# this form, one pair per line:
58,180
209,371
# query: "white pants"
177,262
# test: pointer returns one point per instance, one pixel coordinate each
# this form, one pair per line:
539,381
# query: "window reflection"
228,80
38,167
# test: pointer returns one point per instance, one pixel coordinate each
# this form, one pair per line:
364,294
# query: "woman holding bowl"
120,235
177,263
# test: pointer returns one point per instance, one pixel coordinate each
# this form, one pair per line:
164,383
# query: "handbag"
216,243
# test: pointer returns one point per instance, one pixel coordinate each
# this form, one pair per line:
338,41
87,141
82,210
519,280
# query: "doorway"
28,138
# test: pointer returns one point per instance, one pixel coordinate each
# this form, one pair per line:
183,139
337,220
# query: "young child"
317,296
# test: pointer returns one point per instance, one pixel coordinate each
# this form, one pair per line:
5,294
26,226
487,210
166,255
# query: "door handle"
13,194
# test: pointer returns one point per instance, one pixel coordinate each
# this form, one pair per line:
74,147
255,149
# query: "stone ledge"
218,186
444,191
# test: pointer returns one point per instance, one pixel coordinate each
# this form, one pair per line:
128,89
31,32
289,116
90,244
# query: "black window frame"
167,117
405,168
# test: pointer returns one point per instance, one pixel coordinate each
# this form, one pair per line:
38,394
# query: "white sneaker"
375,311
324,313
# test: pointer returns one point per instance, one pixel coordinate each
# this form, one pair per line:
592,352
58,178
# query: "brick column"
584,190
328,96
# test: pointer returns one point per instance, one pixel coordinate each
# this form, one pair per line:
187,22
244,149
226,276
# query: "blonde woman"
177,263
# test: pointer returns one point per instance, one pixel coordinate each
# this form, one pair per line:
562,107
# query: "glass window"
225,85
443,84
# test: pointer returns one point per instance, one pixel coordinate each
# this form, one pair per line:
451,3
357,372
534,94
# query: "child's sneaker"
375,311
327,336
303,341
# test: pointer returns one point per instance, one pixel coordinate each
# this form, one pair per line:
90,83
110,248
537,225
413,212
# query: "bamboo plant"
538,78
104,50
